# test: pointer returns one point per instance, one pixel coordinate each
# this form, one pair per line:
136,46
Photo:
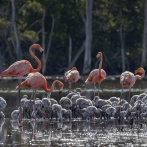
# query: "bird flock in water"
73,105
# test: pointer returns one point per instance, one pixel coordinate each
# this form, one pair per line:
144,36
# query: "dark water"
74,133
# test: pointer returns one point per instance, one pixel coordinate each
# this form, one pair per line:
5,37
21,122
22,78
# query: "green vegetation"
108,18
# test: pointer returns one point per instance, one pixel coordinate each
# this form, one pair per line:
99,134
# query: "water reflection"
75,133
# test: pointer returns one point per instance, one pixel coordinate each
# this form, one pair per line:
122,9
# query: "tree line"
71,32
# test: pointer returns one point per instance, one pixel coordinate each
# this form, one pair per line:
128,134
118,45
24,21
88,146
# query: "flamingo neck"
100,65
140,77
39,63
52,87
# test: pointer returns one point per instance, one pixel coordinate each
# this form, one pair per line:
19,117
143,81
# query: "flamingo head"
98,54
139,70
61,85
74,68
38,47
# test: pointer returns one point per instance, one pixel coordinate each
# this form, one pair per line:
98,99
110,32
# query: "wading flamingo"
36,81
72,76
128,79
21,68
96,75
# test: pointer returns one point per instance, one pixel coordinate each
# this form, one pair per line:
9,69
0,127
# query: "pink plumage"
36,80
72,76
23,67
128,79
96,75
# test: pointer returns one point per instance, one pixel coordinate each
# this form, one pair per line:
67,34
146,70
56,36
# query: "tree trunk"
76,56
88,27
143,59
1,64
2,67
70,48
122,45
14,34
43,42
45,54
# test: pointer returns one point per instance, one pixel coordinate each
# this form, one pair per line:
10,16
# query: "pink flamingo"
128,79
72,76
97,75
21,68
36,81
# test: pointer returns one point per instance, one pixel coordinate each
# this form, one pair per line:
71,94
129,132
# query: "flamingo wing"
34,81
92,76
72,76
103,73
18,68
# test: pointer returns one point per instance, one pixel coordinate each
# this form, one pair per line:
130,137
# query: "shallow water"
73,133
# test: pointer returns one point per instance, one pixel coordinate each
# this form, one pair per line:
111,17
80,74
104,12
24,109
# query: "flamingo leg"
98,89
69,87
48,95
20,112
34,109
42,112
32,96
121,94
129,93
94,90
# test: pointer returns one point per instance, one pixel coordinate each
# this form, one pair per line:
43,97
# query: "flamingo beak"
98,55
136,71
40,49
60,90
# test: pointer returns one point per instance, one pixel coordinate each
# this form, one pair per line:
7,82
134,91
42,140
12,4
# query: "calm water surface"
73,133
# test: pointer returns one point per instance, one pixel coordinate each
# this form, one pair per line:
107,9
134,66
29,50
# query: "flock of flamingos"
117,107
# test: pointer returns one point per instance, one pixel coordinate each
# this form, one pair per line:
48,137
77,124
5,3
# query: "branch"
6,13
83,18
50,38
30,27
76,56
113,70
115,55
43,43
12,35
37,33
43,31
34,38
70,50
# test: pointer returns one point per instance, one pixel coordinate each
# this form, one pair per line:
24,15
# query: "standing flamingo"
72,76
96,75
128,79
21,68
37,80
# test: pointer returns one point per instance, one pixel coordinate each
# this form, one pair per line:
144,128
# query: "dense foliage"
106,18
